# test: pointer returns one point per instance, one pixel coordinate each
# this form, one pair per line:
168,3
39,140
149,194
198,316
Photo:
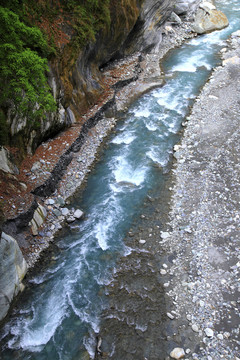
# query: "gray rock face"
13,268
185,6
147,31
208,19
5,164
38,219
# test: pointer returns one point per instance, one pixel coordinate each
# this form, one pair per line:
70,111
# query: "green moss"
90,16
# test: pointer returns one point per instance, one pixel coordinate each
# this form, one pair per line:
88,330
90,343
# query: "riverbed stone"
70,219
209,332
65,211
78,214
177,353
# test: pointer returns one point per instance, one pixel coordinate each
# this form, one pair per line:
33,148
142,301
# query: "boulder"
78,214
38,218
13,268
208,19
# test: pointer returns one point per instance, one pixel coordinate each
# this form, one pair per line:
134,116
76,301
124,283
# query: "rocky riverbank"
204,228
72,155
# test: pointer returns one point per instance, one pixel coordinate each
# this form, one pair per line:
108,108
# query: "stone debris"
78,214
177,353
209,332
205,218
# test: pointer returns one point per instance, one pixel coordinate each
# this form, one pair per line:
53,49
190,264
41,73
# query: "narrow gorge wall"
75,78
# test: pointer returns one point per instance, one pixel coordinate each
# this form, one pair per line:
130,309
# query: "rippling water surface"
59,314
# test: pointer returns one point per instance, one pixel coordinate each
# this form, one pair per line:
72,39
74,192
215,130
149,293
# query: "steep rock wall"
13,268
75,78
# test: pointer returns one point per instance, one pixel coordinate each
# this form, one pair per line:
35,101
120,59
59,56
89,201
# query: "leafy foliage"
23,64
90,16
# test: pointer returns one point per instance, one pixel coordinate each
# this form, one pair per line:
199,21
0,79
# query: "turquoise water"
59,314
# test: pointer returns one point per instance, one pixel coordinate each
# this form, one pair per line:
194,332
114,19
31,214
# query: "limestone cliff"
13,268
74,76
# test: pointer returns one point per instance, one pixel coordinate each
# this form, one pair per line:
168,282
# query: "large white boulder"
208,18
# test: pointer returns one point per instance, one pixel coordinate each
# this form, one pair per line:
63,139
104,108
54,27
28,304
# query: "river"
104,273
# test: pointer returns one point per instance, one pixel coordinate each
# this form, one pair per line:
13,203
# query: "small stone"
165,235
165,266
166,285
195,328
142,241
220,336
78,214
50,201
60,201
188,351
209,332
70,219
36,166
163,272
171,316
177,353
65,211
57,212
201,303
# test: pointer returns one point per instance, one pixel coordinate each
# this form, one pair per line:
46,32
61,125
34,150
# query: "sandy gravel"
204,228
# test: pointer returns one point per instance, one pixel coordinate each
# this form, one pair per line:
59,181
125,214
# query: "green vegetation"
23,66
90,16
28,28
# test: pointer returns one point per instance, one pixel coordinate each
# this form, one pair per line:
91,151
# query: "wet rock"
177,353
70,219
78,214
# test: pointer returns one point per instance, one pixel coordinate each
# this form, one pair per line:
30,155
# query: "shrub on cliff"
23,65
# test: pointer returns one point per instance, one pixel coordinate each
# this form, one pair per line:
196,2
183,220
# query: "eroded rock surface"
13,268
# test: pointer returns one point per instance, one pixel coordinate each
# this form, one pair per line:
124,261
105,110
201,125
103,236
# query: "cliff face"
74,76
76,81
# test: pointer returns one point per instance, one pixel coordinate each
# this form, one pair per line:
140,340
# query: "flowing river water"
104,273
